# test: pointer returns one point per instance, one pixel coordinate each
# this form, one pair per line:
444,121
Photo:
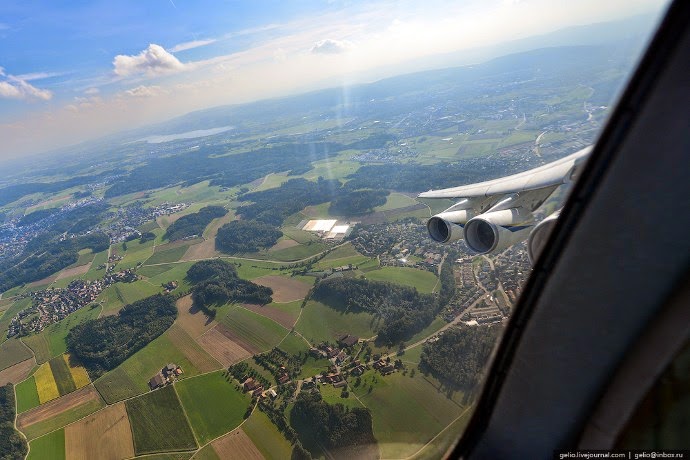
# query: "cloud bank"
330,46
12,87
191,45
153,61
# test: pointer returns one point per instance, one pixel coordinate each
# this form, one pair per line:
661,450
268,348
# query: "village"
54,304
124,226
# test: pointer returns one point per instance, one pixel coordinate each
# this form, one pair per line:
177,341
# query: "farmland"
27,395
13,351
237,445
132,376
191,350
266,437
46,386
158,423
105,434
48,447
321,323
219,343
422,280
213,404
60,412
283,313
284,289
17,373
255,332
407,411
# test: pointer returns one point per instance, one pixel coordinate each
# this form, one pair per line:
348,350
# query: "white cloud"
39,75
191,45
145,91
153,61
92,91
330,46
12,87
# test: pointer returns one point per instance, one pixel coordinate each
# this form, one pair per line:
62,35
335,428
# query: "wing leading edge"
552,174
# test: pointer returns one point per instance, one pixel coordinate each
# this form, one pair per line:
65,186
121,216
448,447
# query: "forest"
217,283
357,202
404,310
332,426
14,192
241,236
35,216
274,205
104,343
12,444
458,357
45,255
193,224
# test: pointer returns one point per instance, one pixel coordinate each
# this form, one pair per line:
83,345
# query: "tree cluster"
458,357
35,216
104,343
45,255
335,427
241,236
12,444
404,310
357,202
274,205
194,224
217,283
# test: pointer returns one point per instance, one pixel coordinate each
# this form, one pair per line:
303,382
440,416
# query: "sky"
77,70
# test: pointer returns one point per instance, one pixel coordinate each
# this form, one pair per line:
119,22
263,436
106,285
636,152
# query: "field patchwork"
285,289
158,423
253,332
13,351
45,384
320,323
48,447
283,313
59,412
223,348
191,349
237,445
17,373
104,435
266,437
62,375
213,404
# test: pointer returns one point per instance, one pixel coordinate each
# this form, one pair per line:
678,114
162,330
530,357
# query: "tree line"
104,343
459,356
333,426
241,236
47,254
217,283
12,444
193,224
357,202
403,309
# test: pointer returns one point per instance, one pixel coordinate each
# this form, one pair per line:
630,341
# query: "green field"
168,456
300,252
424,281
396,200
48,447
259,331
27,395
94,273
71,415
407,411
439,447
62,375
149,271
332,395
207,453
167,256
266,437
177,272
320,323
131,292
131,377
136,252
39,345
158,423
13,351
212,403
294,344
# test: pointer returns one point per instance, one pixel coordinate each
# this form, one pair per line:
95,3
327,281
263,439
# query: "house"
258,391
271,393
358,370
250,384
387,369
342,356
283,378
348,340
315,352
157,381
170,369
339,384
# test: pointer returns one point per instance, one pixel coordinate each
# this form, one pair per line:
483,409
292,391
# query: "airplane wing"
549,175
496,214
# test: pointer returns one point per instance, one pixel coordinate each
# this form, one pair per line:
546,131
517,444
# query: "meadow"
422,280
266,437
158,423
48,447
213,404
259,332
320,323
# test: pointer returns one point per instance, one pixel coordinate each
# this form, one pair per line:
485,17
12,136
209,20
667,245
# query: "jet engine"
539,236
497,230
447,226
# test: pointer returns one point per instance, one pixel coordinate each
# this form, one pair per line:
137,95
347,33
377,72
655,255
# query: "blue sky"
74,70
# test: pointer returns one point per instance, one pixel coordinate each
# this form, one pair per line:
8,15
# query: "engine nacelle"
497,230
448,225
539,236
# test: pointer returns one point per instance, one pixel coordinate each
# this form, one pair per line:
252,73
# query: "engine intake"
448,225
497,230
539,236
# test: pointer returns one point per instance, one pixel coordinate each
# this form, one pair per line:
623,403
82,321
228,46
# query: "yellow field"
79,375
45,384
